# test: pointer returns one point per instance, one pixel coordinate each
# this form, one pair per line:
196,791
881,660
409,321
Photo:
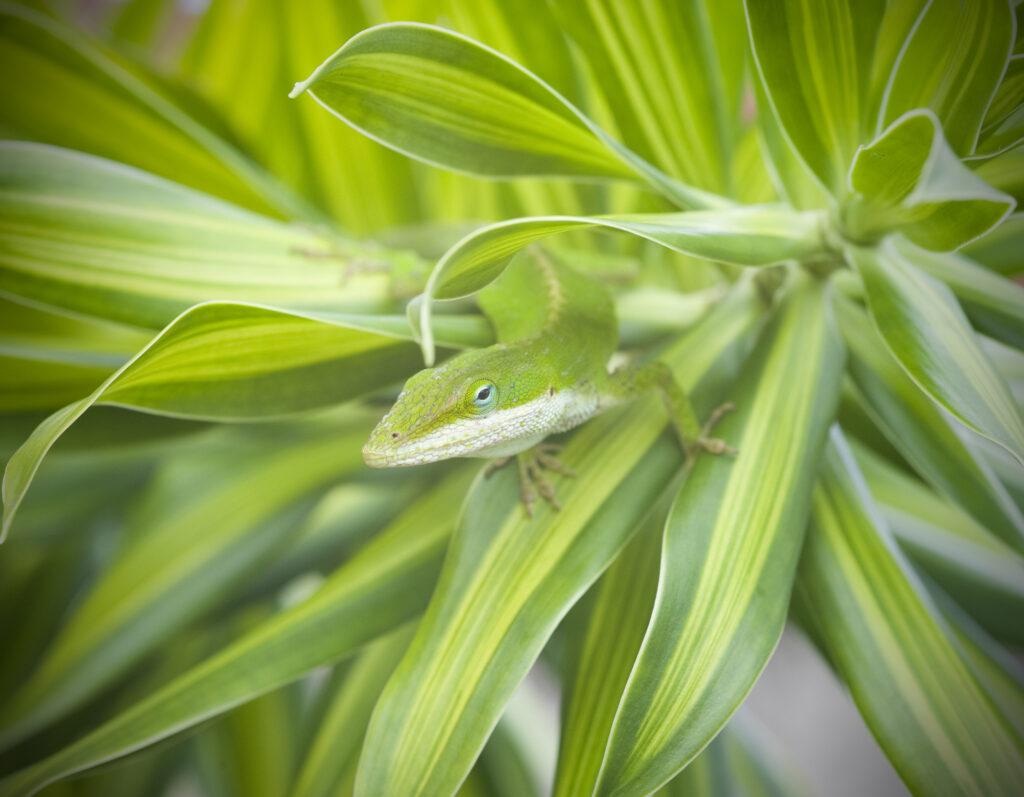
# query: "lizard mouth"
375,458
394,457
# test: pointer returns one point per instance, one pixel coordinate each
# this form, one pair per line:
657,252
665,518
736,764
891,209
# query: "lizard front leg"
632,381
532,481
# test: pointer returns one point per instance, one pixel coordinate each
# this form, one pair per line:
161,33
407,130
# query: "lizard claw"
712,445
532,482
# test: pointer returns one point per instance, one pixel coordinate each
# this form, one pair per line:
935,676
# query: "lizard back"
540,302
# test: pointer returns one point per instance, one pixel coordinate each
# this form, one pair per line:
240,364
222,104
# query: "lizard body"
547,373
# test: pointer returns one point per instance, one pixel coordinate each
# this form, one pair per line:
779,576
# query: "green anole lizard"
548,373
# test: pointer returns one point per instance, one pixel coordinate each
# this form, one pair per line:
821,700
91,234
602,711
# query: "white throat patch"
498,434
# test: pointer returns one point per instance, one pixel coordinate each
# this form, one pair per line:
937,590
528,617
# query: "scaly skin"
548,374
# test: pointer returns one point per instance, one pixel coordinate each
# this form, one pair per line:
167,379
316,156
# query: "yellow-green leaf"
919,696
927,332
383,586
994,304
813,60
750,236
97,237
339,735
447,100
980,572
731,547
921,432
508,579
235,361
113,109
908,179
951,62
207,521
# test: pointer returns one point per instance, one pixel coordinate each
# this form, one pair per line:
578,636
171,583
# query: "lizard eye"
483,395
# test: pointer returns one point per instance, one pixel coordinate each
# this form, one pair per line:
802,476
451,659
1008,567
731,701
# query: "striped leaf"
1005,172
731,545
96,237
49,359
442,98
207,522
509,579
926,331
739,762
793,180
383,586
234,362
335,746
994,305
999,251
1008,97
329,164
951,62
542,48
922,700
981,573
997,668
651,56
899,21
1001,138
101,93
922,432
813,60
908,179
752,236
607,628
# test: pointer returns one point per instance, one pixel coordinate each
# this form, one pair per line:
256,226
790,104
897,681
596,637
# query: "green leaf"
927,332
792,179
811,59
998,670
447,100
250,757
908,179
921,432
739,762
509,579
542,48
1010,94
608,628
731,545
952,62
921,699
304,147
93,236
207,522
994,305
650,56
384,585
981,573
1005,172
100,94
49,360
335,746
752,236
234,361
898,23
753,174
37,584
1002,138
1000,249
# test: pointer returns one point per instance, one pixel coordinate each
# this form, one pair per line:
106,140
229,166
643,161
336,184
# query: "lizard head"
463,407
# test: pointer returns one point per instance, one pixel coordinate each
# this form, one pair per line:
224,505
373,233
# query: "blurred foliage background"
806,208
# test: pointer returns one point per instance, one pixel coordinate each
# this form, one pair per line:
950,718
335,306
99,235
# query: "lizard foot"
712,445
532,481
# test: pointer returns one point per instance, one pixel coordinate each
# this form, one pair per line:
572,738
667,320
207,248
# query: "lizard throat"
502,433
